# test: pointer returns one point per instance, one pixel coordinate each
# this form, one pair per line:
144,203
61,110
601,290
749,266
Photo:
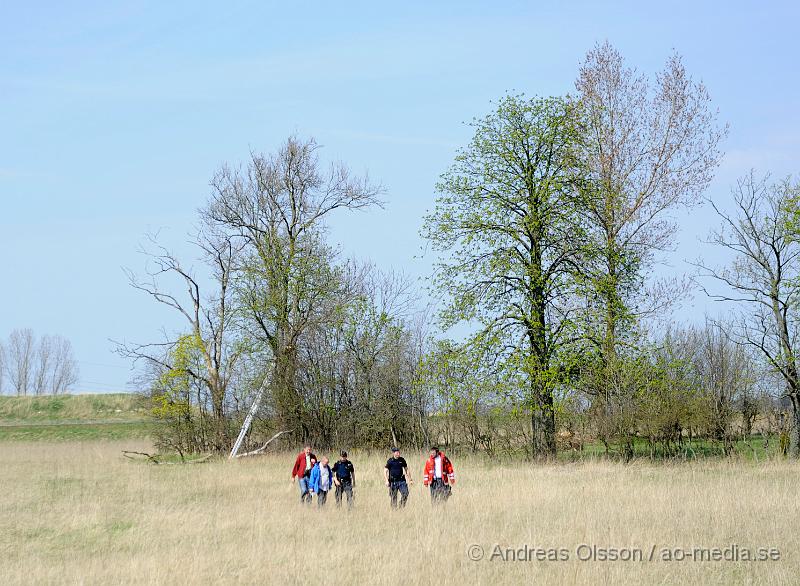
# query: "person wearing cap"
396,473
344,477
302,471
438,475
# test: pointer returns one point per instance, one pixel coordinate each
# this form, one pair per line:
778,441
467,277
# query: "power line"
103,364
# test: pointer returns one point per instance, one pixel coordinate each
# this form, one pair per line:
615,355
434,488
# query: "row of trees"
689,383
31,366
333,343
548,229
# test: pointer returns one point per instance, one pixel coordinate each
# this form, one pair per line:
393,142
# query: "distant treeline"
36,366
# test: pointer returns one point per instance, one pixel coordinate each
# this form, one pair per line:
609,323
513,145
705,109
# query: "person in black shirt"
344,477
396,473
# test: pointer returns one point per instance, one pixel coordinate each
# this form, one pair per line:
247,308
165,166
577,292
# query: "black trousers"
440,491
400,487
322,497
344,488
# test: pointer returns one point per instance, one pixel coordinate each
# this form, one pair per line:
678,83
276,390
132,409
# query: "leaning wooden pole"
249,419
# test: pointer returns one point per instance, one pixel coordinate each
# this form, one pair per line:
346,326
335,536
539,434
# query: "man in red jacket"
439,475
302,471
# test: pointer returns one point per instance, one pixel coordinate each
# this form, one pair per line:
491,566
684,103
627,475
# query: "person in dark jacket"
344,477
396,474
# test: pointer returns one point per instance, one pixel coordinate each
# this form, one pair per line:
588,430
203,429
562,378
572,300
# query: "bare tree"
649,148
208,355
42,366
21,352
727,376
763,279
374,340
63,369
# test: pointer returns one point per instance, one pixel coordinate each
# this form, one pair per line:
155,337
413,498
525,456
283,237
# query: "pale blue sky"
113,119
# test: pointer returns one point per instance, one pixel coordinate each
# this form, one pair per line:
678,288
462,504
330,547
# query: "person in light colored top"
321,481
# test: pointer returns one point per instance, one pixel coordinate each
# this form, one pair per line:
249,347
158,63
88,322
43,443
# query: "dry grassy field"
80,513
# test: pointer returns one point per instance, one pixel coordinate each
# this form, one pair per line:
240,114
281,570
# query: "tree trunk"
610,286
794,432
543,426
287,400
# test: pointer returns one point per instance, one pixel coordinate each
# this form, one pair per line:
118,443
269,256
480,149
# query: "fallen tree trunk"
154,459
262,448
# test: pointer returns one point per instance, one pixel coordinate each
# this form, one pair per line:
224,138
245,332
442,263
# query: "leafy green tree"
508,224
174,401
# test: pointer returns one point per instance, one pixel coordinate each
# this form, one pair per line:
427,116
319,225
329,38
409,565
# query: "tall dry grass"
80,513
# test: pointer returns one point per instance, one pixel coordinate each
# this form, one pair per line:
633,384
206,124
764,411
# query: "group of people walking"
318,478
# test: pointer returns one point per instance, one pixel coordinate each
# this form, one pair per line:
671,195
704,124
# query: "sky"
114,116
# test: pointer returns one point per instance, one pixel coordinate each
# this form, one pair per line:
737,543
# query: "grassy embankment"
73,417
